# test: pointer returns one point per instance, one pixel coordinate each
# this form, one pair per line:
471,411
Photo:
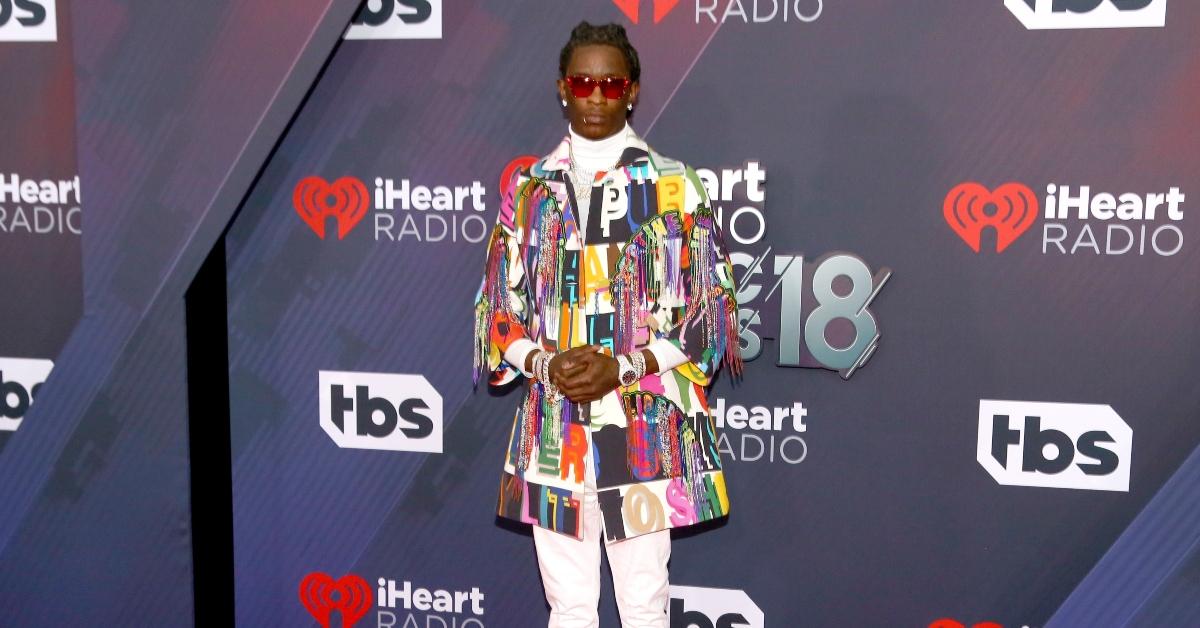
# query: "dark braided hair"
585,34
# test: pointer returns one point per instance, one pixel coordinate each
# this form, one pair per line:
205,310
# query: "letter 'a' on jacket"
651,264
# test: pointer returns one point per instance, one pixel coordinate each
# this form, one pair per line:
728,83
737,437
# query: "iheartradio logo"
630,9
946,622
346,200
401,210
1078,219
1010,209
349,595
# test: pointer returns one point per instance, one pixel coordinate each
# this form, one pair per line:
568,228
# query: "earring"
564,102
629,106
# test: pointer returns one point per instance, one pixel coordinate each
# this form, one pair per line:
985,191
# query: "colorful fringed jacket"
651,265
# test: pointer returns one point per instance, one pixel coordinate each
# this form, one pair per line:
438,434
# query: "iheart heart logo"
321,595
518,163
951,623
630,8
1015,210
345,199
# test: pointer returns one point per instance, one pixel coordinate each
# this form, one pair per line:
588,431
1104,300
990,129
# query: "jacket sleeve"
700,317
502,303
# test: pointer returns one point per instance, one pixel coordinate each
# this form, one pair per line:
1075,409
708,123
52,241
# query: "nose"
597,97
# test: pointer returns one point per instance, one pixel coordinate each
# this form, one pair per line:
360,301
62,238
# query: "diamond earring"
629,106
564,102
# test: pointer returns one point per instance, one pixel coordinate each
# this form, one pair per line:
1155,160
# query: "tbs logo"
20,380
28,20
1058,445
381,411
397,19
701,607
1053,14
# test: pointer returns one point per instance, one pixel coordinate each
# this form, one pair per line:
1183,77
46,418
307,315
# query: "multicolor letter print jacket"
651,264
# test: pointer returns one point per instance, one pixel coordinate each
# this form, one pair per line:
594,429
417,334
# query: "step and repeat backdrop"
966,285
156,109
967,295
40,201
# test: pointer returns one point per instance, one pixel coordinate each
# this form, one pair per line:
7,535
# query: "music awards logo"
396,604
1077,219
401,211
815,310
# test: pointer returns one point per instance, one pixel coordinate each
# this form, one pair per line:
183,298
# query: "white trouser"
571,571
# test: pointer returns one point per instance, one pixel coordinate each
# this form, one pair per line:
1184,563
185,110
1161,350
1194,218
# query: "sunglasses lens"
612,88
581,86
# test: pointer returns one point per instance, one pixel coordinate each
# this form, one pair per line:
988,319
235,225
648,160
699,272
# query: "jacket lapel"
557,167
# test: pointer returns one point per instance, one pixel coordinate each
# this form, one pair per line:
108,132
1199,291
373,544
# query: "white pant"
571,571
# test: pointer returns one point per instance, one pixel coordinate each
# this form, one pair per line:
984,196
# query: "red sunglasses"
612,87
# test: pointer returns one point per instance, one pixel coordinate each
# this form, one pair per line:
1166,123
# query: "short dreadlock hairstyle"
585,34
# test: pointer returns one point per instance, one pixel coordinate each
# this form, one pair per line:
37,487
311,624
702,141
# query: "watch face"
627,378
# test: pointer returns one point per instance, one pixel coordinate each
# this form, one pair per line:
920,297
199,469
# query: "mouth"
593,118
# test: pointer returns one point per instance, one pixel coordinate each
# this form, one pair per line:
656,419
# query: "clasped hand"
584,374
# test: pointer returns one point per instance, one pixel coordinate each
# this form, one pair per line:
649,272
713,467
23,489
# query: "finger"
575,388
577,380
570,356
573,367
557,376
576,364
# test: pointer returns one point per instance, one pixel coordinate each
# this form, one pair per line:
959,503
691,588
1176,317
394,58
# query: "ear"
562,88
633,92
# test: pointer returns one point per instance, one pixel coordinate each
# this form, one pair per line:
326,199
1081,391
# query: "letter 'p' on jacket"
651,264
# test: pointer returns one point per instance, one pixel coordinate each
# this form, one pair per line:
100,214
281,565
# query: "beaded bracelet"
541,372
638,359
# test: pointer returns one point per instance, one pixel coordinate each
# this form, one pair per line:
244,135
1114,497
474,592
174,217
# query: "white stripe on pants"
571,571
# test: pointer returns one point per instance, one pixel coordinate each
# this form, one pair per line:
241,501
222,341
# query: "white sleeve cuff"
517,351
666,354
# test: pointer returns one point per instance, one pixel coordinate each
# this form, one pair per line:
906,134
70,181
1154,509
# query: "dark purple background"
864,120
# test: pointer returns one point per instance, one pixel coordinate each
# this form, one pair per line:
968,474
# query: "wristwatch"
626,373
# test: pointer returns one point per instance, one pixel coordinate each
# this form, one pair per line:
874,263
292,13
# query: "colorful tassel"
649,266
668,435
716,303
493,299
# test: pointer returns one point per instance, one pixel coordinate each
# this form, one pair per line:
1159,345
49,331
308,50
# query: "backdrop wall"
960,232
1030,392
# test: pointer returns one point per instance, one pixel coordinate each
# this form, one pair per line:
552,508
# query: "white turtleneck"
594,156
597,155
